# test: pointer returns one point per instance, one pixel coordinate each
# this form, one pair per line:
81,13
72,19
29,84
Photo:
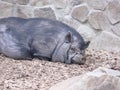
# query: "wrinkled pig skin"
42,38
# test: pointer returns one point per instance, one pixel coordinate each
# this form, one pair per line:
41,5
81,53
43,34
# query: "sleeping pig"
42,38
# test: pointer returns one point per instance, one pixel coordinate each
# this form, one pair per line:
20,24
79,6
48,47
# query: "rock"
101,71
75,2
107,41
107,79
70,21
116,29
104,83
24,11
97,4
113,11
99,21
80,13
87,33
60,4
6,9
22,2
39,3
100,79
44,12
61,13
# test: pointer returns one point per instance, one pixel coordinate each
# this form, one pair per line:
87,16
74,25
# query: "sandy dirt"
41,75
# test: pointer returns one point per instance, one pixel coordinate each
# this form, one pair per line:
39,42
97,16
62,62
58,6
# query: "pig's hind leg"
11,46
16,51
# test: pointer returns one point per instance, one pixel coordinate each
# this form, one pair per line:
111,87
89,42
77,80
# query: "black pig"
42,38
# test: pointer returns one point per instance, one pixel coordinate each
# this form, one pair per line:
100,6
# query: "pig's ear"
69,37
86,44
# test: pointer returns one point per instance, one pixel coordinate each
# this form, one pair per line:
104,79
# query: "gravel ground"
41,74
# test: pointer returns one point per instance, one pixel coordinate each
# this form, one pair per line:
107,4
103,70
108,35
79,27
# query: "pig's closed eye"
73,50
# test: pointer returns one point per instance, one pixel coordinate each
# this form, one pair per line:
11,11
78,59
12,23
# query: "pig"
41,38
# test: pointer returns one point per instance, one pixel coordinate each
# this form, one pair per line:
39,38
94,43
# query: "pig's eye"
73,50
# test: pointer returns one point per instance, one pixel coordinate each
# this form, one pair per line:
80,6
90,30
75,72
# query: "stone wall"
96,20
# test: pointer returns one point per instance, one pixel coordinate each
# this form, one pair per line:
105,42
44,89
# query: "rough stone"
70,21
114,11
22,2
6,9
80,13
92,81
39,3
99,21
97,4
104,83
60,4
116,29
61,12
24,11
87,33
107,41
75,2
44,12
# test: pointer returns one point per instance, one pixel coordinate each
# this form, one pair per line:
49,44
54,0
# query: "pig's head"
71,50
76,53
